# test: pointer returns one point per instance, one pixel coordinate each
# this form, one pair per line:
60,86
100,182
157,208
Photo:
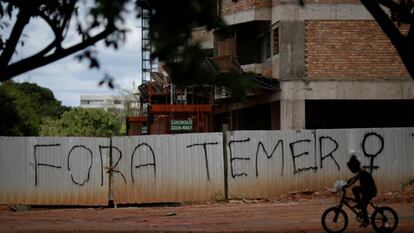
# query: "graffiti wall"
85,171
270,163
54,171
168,168
196,167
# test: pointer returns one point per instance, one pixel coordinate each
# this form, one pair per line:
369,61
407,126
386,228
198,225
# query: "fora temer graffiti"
296,151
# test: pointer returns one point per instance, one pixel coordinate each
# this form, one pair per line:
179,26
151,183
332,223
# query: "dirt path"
235,216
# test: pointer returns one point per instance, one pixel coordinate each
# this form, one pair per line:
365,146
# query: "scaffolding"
148,65
165,108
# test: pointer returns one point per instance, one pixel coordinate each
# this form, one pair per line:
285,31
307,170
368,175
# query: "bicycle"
384,219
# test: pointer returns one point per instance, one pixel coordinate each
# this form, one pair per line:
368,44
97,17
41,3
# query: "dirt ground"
297,212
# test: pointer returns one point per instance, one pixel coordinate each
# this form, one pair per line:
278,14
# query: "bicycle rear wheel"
384,219
334,220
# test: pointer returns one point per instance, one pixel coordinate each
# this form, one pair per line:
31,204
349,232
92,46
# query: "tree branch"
410,34
404,12
23,19
56,30
384,21
58,25
46,49
401,43
388,3
35,61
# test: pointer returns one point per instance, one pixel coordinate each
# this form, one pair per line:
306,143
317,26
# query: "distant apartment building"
106,102
334,66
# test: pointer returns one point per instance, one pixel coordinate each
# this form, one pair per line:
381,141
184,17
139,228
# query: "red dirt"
405,195
296,212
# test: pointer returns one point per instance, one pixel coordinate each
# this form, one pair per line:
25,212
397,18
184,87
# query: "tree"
170,28
9,117
25,106
170,33
103,21
402,12
83,122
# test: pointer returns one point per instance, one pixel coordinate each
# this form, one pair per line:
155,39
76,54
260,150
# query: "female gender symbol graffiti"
373,155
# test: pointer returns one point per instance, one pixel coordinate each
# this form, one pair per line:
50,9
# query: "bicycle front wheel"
384,219
334,220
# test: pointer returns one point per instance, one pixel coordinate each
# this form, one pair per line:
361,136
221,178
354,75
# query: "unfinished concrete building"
334,65
325,65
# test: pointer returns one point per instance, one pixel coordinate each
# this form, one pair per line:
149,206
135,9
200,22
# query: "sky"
68,78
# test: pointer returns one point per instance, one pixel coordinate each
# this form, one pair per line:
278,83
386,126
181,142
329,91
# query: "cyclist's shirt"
368,188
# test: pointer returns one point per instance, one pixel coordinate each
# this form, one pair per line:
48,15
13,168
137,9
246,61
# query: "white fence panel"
191,167
168,168
270,163
388,153
53,171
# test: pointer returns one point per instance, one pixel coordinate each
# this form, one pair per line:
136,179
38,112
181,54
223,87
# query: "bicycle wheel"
334,220
384,219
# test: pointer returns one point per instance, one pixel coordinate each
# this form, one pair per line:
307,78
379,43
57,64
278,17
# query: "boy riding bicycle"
367,189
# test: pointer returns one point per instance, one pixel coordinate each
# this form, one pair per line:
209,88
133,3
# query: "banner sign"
181,125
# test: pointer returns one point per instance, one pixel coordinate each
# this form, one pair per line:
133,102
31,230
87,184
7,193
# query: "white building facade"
106,102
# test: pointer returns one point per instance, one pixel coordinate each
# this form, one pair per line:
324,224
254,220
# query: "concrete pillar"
292,70
292,114
292,50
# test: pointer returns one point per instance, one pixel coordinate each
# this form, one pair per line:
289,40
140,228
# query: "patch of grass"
218,196
406,184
